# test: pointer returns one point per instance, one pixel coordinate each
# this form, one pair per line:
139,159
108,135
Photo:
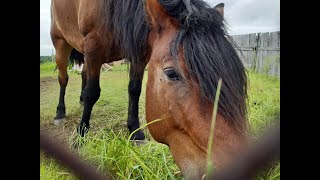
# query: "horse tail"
74,57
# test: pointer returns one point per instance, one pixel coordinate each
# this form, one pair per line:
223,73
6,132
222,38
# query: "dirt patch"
47,81
62,133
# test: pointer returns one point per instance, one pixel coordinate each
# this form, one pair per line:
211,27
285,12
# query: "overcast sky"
242,16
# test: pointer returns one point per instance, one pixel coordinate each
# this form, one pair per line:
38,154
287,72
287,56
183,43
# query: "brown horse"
96,32
185,44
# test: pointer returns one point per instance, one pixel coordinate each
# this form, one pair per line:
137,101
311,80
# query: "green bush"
44,59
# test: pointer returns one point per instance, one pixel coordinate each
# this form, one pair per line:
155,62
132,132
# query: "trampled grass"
106,144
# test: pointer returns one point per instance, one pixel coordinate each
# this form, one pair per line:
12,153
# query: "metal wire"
244,166
80,168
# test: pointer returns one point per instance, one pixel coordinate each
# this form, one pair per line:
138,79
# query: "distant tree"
44,59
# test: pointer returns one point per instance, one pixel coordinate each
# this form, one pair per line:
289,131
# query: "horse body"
185,45
87,26
78,18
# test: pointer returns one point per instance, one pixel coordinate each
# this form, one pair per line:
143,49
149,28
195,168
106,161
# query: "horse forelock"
209,56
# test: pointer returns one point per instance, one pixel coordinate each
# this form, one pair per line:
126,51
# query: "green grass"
264,101
47,69
106,144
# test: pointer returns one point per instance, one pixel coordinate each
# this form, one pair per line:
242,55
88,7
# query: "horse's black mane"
127,20
208,54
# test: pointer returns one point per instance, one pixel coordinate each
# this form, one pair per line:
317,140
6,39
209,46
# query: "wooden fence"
260,51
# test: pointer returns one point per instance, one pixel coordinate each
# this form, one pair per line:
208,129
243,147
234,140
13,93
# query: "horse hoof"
139,142
59,121
139,135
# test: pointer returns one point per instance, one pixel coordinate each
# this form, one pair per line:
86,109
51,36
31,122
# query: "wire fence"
244,166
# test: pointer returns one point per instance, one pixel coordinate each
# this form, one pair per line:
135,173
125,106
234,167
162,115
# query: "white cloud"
242,16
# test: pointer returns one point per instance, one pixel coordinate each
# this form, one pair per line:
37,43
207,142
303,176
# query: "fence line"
260,51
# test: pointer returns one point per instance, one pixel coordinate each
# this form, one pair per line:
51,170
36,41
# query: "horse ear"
157,15
220,8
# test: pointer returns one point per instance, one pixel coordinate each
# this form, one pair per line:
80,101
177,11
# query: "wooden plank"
237,41
274,55
270,48
253,45
265,44
243,53
265,39
247,54
258,56
275,39
261,48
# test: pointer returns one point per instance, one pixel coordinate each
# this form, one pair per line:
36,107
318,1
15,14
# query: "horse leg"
134,89
63,50
84,80
94,56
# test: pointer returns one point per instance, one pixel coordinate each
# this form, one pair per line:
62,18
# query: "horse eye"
171,74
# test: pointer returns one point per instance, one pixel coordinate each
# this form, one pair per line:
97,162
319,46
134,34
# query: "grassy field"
106,144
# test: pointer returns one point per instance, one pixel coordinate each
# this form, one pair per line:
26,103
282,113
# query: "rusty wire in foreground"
244,166
68,159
